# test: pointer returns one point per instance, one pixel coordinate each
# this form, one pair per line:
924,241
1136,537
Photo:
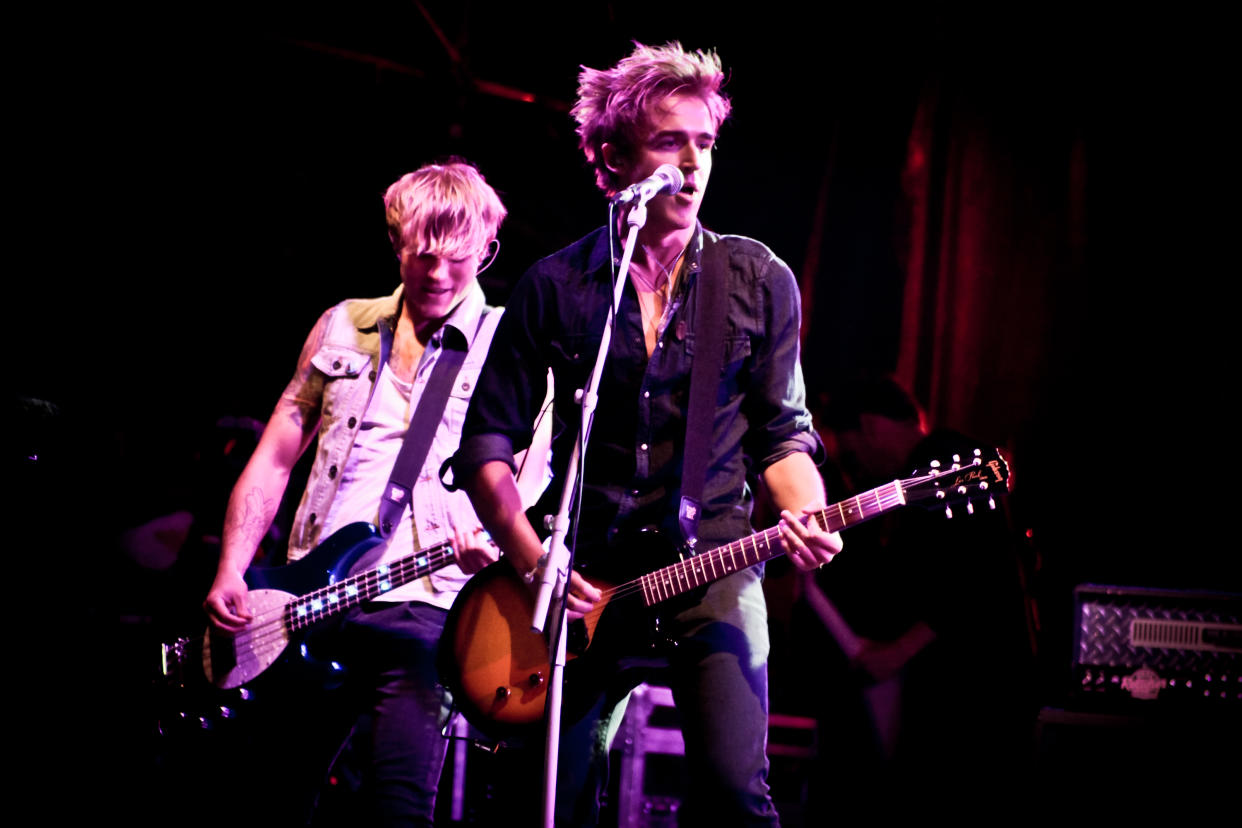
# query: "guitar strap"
704,383
423,424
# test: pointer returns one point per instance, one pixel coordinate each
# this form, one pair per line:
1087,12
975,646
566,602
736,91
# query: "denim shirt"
555,318
347,347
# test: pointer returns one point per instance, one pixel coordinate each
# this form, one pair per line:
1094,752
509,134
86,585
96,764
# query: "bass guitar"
497,667
288,600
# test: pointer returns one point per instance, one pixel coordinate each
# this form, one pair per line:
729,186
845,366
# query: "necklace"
668,271
654,298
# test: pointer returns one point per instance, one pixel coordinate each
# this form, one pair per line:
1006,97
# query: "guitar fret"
742,553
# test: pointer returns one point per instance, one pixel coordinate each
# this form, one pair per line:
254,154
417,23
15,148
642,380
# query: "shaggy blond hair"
448,209
614,104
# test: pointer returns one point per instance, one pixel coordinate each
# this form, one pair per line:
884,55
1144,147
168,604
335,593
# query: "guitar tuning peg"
935,464
992,503
957,458
970,507
948,512
978,453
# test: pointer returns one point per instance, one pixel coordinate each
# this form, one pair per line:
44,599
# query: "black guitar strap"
704,384
422,429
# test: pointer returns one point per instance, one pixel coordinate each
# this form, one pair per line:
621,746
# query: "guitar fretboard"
698,570
325,602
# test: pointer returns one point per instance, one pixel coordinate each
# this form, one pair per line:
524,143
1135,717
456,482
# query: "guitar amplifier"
1141,649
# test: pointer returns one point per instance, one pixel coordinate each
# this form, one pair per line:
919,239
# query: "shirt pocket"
736,352
573,359
459,396
336,362
341,367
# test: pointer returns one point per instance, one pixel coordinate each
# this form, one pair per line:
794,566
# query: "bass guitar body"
233,660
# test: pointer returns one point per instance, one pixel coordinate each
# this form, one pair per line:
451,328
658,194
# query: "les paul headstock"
959,481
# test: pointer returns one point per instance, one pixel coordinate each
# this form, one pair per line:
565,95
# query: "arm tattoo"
248,522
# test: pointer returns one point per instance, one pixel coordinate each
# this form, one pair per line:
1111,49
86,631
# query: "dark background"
193,188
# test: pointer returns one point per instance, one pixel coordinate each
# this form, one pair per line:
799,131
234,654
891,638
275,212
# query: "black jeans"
282,761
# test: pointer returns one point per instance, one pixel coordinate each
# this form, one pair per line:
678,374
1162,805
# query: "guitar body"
329,562
494,664
233,660
497,667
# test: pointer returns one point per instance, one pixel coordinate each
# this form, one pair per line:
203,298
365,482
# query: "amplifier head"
1135,645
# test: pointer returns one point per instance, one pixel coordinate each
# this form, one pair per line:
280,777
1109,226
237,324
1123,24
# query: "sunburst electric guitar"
497,667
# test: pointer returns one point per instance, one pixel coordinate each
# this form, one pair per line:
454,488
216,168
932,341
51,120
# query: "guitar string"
676,579
269,625
683,576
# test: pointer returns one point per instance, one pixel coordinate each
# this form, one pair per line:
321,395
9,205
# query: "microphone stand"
558,560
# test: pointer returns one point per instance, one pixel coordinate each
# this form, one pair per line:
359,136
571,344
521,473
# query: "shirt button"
465,386
643,447
646,394
633,492
313,517
372,376
336,365
353,421
332,473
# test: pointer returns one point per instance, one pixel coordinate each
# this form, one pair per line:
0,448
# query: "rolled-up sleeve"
511,389
779,422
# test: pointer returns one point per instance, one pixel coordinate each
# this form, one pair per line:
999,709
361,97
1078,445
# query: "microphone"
666,180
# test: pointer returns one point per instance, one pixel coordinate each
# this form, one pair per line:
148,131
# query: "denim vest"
356,341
